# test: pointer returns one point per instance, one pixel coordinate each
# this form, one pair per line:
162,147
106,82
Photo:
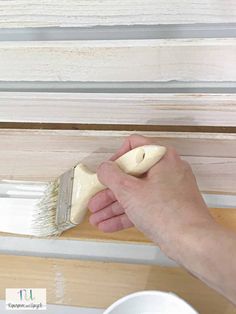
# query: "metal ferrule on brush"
64,202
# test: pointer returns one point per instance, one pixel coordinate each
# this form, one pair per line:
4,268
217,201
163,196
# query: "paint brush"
49,209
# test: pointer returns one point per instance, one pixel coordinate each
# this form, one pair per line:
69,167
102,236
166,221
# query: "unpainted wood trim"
119,60
119,109
224,216
97,284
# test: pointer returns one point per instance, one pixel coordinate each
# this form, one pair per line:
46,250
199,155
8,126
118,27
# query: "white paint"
161,60
17,215
19,205
43,155
113,108
59,284
33,13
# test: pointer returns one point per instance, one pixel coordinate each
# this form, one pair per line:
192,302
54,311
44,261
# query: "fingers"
116,223
115,179
131,142
114,209
108,214
101,200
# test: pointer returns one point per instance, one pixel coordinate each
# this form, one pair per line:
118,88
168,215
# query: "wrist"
189,237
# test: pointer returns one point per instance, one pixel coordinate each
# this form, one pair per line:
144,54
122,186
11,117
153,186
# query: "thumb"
116,180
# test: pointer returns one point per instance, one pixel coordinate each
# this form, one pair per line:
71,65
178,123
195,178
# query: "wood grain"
44,155
119,60
97,284
224,216
31,13
85,231
141,109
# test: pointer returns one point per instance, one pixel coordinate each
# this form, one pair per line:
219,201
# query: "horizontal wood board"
97,284
140,109
224,216
43,155
85,231
119,60
32,13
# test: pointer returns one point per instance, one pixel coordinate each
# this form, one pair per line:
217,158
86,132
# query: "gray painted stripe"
215,30
120,87
220,201
85,250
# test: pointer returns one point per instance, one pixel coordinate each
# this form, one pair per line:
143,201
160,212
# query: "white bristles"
44,217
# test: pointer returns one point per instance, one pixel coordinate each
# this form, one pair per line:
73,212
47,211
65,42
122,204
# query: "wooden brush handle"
86,184
139,160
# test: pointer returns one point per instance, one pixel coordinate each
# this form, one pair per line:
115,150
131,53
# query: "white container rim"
146,292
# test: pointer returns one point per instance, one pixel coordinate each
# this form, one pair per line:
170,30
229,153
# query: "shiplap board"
45,154
19,199
32,13
22,197
128,245
224,216
142,109
119,60
97,284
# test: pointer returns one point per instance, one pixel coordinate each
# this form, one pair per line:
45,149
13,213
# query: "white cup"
150,302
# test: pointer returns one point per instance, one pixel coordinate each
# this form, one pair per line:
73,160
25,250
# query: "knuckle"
173,155
130,183
172,152
116,208
102,168
186,166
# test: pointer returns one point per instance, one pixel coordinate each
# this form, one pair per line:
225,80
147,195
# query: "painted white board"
32,13
119,60
142,109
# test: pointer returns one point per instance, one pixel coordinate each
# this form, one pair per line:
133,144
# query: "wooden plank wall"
124,60
83,283
43,155
120,109
31,13
44,133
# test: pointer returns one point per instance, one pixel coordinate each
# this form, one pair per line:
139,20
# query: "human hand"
162,203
